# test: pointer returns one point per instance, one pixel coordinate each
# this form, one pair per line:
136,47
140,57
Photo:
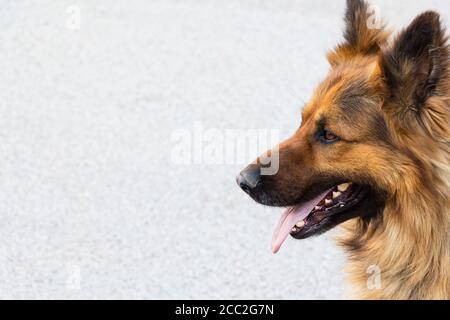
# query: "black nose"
249,178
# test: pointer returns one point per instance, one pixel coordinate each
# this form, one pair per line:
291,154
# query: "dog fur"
410,241
380,119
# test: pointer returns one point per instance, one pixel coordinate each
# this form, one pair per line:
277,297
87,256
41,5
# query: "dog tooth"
342,205
300,224
294,229
328,201
317,208
343,187
336,194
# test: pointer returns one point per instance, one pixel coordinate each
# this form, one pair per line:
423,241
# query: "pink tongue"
289,219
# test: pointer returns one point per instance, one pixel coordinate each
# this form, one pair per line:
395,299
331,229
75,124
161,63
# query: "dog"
372,156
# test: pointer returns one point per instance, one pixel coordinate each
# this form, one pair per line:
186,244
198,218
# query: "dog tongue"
289,219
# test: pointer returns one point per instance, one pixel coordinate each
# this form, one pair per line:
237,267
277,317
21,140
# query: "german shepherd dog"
373,155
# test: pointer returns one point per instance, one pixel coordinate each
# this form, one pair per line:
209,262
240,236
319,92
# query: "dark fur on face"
381,120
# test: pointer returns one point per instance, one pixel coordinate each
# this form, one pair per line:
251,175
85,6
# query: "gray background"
91,205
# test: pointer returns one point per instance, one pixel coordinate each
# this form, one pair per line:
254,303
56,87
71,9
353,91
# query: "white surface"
90,204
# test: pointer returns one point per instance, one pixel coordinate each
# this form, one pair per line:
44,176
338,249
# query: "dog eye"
328,137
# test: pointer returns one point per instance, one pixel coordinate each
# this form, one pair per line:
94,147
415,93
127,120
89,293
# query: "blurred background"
92,204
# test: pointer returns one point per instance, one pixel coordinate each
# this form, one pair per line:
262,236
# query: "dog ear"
415,71
363,34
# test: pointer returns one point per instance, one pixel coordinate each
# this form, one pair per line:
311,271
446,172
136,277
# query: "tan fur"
381,120
410,242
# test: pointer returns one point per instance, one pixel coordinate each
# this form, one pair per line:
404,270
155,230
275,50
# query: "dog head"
359,133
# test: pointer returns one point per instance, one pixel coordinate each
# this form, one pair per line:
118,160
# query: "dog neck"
404,252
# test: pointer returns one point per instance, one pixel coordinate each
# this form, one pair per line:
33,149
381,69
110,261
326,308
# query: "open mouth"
306,218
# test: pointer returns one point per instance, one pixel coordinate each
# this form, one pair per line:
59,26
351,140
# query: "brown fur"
389,104
410,242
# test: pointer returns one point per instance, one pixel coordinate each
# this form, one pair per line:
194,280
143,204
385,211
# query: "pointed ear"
416,73
362,35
